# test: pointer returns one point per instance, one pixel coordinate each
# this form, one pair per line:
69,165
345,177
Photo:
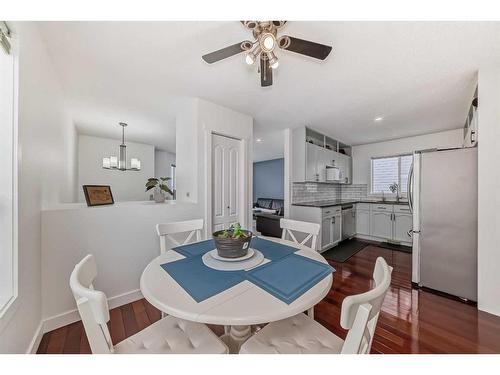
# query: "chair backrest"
92,306
166,230
310,229
360,312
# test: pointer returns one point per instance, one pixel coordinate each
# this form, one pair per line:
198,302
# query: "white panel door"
225,181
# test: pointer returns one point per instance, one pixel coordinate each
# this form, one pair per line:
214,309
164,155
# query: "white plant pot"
159,196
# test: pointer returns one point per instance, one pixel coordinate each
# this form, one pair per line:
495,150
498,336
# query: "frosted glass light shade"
106,163
135,163
113,161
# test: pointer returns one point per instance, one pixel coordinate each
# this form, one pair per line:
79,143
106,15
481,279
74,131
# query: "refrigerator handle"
409,188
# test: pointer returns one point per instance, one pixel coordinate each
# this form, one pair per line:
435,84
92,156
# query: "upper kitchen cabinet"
319,158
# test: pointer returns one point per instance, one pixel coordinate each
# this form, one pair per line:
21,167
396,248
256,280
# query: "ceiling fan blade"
266,73
224,53
304,47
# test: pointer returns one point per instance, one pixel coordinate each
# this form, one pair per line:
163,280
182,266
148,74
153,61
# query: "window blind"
4,37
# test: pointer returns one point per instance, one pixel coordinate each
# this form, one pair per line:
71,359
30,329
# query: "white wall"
362,154
125,186
489,191
121,237
47,161
195,121
163,161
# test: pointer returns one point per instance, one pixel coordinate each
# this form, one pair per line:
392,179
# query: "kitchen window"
386,171
8,173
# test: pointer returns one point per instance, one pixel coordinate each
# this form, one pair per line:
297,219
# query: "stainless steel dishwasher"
348,221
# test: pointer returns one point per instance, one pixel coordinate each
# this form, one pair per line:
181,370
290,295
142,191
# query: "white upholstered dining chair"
311,230
301,334
166,231
168,335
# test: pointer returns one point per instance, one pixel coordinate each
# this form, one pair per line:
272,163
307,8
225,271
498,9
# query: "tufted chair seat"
302,334
172,336
167,336
296,335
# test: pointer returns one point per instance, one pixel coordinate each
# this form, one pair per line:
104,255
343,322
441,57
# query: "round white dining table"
238,308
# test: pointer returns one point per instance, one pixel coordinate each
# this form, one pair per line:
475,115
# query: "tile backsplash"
354,191
310,191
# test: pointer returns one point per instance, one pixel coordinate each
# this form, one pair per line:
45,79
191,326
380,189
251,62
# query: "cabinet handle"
333,220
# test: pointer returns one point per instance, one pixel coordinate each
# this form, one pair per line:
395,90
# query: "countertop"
339,202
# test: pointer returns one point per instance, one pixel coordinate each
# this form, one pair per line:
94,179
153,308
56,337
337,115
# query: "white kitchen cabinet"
309,160
326,233
312,153
330,219
402,224
336,228
381,224
363,222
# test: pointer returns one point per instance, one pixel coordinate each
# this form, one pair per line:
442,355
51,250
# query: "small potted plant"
233,242
160,187
394,188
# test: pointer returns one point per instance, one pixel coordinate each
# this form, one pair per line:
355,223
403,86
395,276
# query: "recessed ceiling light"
378,119
258,140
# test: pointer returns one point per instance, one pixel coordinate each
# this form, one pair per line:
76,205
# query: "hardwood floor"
411,321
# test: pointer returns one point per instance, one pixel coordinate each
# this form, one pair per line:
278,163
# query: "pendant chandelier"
120,163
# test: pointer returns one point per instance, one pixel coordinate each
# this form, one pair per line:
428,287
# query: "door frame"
245,181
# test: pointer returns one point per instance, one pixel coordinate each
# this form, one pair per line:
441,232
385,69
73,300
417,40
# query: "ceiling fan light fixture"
273,60
249,58
252,56
268,42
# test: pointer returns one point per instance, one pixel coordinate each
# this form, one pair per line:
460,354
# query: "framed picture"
98,195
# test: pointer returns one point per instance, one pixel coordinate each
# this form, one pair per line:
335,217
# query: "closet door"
225,181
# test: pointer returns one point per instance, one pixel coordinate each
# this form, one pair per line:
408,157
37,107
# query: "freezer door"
448,222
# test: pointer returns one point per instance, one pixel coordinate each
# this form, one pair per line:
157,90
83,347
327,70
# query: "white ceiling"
419,76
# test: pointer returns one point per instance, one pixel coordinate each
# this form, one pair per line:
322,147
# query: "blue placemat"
289,277
200,281
197,248
271,250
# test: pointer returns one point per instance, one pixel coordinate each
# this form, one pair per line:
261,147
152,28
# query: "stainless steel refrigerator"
443,198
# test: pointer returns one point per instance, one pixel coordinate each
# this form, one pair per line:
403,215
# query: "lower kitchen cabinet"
402,224
326,232
363,222
384,222
381,224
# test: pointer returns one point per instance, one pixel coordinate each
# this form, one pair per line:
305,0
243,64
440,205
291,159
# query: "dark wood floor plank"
84,344
153,313
411,320
116,326
44,343
141,316
73,338
129,321
57,340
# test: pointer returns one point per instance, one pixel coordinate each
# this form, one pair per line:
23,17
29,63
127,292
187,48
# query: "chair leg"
310,312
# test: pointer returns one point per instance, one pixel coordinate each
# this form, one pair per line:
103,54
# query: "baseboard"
35,341
72,316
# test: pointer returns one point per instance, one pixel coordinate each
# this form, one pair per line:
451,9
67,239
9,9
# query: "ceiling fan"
264,46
